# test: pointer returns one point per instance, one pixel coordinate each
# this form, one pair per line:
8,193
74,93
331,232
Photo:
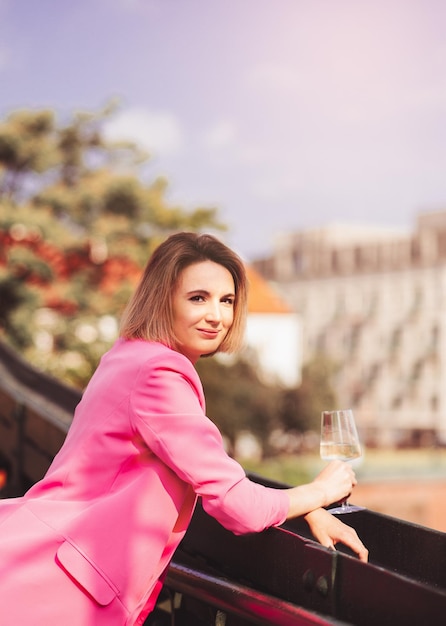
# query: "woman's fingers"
338,479
329,530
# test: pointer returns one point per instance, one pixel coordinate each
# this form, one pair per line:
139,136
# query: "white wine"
339,442
331,451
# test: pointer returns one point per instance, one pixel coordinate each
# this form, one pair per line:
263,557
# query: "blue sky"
285,114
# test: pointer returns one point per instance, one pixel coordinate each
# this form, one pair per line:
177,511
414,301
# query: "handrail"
281,575
240,600
35,414
24,380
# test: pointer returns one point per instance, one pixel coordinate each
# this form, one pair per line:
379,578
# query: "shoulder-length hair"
149,314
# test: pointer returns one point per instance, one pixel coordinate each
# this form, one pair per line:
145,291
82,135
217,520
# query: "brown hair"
148,314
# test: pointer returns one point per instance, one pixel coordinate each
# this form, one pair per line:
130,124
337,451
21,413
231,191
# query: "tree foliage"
27,150
78,222
302,407
237,400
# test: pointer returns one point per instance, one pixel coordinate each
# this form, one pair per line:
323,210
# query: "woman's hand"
329,530
334,483
337,479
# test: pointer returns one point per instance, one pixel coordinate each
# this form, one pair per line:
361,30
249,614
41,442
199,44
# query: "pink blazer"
89,543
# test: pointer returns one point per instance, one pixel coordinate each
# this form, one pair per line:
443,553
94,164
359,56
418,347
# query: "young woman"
89,544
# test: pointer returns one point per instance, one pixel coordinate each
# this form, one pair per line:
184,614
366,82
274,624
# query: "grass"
376,464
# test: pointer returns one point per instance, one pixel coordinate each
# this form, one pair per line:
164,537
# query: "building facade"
273,333
373,302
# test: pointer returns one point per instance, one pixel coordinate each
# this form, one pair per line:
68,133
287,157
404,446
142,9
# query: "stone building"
373,301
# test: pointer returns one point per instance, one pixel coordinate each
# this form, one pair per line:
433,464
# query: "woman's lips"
209,332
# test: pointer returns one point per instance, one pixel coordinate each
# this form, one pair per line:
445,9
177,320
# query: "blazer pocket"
80,567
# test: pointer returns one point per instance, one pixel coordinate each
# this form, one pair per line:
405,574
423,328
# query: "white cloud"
157,132
254,155
278,186
222,135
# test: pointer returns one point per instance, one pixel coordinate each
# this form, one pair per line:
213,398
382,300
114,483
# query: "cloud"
221,135
157,132
224,136
277,186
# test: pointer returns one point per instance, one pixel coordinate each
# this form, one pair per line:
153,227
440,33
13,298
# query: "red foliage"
118,269
65,265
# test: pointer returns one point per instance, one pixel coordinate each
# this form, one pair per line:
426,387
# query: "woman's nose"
213,312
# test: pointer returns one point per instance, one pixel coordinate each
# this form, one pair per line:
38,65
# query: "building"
373,301
273,333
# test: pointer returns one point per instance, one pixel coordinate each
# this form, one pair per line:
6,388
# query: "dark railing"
280,576
35,414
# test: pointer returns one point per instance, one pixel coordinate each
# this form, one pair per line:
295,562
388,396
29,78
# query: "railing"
280,576
35,414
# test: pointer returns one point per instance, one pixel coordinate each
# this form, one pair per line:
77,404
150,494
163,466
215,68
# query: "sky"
284,114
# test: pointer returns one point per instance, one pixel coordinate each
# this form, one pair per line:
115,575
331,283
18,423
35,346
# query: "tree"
27,150
237,400
301,408
78,222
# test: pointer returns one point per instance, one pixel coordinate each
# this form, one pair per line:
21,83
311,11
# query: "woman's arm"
165,410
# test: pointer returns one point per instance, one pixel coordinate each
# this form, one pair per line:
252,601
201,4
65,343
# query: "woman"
89,544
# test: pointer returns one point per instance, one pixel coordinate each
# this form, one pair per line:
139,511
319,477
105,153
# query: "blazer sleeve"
167,411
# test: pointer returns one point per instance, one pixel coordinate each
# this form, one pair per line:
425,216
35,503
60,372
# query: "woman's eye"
197,298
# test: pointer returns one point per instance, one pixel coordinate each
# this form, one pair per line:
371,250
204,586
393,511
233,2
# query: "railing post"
319,578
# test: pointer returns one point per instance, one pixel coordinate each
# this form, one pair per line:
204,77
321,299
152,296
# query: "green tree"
237,400
78,221
301,407
28,149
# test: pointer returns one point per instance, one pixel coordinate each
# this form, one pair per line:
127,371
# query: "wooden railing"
278,577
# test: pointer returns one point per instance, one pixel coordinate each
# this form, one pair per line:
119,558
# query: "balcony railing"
280,576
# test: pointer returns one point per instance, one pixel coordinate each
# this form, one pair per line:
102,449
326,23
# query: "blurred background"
311,137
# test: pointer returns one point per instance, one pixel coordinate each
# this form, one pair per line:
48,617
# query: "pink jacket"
89,543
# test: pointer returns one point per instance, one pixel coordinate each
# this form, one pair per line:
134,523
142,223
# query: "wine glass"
339,440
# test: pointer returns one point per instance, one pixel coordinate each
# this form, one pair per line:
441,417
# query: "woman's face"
203,308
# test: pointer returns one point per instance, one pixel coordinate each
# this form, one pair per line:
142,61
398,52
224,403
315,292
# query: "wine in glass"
339,440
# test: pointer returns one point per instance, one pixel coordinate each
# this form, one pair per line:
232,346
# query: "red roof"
262,298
